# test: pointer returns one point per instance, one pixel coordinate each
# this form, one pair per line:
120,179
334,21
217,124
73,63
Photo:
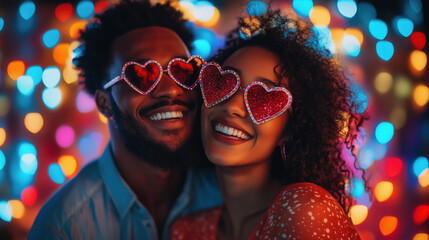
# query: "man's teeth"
166,115
231,131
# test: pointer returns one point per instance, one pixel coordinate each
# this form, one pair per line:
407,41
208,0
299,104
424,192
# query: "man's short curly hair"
324,117
94,54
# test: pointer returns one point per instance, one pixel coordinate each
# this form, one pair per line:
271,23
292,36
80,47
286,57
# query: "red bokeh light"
64,11
100,6
29,196
418,39
421,214
393,167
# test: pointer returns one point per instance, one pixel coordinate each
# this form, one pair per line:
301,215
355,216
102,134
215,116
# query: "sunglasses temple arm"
111,82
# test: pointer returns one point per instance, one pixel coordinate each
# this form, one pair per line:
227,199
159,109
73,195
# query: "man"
141,183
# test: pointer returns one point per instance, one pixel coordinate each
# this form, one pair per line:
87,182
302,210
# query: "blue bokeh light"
202,48
366,157
420,164
384,132
88,146
51,76
27,9
359,98
357,187
36,73
204,11
51,97
26,147
404,26
351,45
366,11
256,8
51,38
28,163
378,29
416,5
5,211
2,160
347,8
25,85
302,7
385,50
85,9
1,23
56,173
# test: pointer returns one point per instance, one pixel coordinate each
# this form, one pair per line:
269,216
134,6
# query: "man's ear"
102,99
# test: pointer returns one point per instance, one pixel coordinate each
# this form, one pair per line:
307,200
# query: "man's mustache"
163,103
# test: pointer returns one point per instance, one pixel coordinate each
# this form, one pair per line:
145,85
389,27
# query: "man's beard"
136,141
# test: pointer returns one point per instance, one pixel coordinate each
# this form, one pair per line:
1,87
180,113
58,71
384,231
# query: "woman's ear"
102,99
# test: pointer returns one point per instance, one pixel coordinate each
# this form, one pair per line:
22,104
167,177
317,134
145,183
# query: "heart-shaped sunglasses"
262,103
144,77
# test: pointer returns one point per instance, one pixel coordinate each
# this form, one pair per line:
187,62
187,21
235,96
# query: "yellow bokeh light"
403,87
388,225
421,95
320,16
418,60
70,74
102,118
15,69
355,32
398,117
17,207
68,164
2,136
213,20
337,36
33,122
421,236
4,105
424,178
75,29
383,82
61,53
358,214
383,191
187,9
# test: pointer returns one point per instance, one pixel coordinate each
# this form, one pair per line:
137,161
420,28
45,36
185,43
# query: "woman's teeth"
231,131
167,115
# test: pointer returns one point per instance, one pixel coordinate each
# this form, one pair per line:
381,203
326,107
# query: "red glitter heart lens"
217,85
265,104
144,77
186,73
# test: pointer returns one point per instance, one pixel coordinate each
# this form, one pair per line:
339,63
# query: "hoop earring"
283,151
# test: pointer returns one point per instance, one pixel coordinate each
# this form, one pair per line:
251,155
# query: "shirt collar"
118,189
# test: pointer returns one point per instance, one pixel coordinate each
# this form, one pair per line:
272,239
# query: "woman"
276,116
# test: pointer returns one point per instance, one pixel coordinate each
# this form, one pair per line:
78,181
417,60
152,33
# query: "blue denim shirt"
98,204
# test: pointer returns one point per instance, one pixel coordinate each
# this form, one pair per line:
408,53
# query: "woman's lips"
229,133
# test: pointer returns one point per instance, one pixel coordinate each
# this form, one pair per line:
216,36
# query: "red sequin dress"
300,211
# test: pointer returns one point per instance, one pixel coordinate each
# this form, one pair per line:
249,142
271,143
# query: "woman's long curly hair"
323,118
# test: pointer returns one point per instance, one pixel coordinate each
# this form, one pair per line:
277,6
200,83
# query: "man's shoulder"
69,199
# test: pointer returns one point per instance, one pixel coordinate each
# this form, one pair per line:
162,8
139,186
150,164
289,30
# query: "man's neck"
155,188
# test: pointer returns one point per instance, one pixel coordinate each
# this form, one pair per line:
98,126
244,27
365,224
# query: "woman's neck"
247,191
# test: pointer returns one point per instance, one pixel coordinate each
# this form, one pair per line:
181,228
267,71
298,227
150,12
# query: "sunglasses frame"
282,89
161,72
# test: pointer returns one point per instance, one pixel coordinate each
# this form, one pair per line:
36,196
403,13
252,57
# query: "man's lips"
230,129
166,110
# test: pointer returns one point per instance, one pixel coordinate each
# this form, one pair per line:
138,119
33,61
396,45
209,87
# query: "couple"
271,117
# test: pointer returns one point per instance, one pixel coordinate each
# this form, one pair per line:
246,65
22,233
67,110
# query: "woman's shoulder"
203,223
308,211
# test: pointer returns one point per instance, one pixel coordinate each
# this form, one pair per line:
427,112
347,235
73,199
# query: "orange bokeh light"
61,53
16,69
76,28
388,225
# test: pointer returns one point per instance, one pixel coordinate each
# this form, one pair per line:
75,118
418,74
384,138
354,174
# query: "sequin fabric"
300,211
265,104
217,85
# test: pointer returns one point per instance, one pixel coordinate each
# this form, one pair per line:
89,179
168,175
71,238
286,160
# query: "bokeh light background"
50,127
